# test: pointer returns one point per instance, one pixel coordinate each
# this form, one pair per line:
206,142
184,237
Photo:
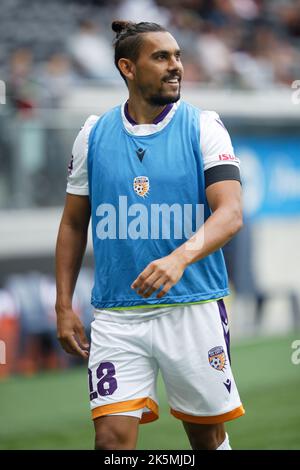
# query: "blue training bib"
147,197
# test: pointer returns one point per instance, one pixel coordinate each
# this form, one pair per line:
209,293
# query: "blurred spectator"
92,52
193,73
21,87
252,64
289,16
214,55
246,9
143,10
55,77
265,59
240,43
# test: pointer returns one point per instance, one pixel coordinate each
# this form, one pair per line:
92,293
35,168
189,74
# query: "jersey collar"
146,129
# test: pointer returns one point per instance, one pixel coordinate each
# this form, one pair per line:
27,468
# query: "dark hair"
128,39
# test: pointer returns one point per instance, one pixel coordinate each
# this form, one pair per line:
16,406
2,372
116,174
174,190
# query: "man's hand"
71,334
164,272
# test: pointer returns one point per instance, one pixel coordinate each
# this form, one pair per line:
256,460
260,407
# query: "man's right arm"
70,248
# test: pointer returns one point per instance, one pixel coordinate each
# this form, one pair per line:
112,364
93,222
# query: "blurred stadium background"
242,59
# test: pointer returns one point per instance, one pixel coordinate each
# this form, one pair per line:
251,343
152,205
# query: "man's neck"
144,113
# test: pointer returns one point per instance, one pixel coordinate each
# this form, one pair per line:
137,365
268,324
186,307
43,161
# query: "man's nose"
174,64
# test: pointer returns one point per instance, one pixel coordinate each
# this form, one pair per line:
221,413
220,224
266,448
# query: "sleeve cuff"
78,191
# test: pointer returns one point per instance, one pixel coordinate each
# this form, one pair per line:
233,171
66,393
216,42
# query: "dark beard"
159,100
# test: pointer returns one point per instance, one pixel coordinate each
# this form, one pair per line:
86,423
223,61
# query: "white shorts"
189,344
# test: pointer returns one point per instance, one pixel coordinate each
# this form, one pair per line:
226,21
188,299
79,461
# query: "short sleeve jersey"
216,147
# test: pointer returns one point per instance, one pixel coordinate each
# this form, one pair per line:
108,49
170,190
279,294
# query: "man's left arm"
225,201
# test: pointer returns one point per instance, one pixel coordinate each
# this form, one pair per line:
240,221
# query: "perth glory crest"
217,358
141,185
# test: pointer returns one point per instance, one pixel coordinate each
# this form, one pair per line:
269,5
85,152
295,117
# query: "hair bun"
120,26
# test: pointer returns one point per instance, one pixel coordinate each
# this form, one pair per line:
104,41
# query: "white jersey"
215,145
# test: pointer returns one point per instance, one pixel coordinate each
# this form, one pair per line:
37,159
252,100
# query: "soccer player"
162,186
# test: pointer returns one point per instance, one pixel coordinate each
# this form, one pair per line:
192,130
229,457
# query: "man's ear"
127,68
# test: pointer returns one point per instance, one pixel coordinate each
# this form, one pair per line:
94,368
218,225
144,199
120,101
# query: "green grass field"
50,411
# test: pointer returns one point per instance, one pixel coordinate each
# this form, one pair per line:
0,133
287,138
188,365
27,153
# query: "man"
141,171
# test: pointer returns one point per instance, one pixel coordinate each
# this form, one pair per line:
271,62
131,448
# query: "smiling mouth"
173,81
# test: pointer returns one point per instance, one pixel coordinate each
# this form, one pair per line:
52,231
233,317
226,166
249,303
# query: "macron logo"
228,385
225,327
140,153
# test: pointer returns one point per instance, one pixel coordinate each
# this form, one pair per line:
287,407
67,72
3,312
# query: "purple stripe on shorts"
225,325
158,118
